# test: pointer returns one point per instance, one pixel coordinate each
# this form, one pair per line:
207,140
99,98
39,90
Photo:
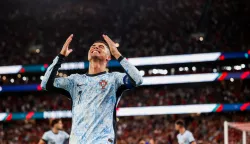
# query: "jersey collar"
100,73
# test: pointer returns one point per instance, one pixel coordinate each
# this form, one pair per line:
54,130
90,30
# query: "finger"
66,44
70,50
69,39
104,36
109,39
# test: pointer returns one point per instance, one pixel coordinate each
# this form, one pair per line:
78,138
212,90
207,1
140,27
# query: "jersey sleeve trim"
50,75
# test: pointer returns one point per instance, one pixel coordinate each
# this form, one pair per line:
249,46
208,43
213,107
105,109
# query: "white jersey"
185,138
94,99
51,138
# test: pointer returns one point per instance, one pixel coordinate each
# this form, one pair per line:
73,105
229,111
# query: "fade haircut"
54,121
106,44
180,123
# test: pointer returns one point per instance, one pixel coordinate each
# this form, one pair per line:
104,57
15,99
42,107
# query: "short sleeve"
190,137
122,79
45,137
66,135
178,139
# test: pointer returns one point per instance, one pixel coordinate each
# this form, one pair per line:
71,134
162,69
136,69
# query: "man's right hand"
65,50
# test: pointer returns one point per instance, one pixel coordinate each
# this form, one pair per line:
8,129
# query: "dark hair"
100,41
106,44
54,121
180,123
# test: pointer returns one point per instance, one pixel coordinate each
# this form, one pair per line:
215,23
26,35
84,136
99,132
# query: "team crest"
103,84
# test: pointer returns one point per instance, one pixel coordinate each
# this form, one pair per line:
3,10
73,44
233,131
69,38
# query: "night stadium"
125,72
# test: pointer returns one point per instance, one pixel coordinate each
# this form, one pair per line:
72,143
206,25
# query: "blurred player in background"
94,95
55,135
184,136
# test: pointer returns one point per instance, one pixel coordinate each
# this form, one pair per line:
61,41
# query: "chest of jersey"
183,139
56,139
94,89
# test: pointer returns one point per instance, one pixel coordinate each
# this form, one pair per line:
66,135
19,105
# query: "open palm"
65,49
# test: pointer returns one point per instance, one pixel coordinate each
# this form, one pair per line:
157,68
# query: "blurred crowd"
34,31
203,93
34,102
206,128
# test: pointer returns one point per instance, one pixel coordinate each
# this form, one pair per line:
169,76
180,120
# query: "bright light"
12,80
186,68
19,76
142,72
228,68
181,69
4,77
37,50
214,70
1,88
172,70
24,78
117,44
41,77
201,38
237,67
231,79
150,72
194,68
165,71
155,71
243,65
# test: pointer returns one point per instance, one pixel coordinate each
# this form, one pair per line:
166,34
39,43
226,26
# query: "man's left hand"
113,49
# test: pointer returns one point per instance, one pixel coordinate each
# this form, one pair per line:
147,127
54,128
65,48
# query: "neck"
96,66
54,130
182,130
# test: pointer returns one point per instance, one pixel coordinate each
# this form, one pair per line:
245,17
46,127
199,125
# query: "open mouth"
95,51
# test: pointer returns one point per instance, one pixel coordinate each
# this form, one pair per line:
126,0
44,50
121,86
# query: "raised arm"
50,82
132,72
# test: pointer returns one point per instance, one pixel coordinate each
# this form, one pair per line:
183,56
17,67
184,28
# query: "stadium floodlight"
135,111
236,132
140,61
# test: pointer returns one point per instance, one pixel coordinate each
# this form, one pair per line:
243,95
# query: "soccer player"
94,95
55,135
184,136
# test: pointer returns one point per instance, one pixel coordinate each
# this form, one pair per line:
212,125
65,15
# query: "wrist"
61,56
117,55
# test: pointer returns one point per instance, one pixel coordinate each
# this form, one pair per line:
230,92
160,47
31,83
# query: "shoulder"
188,132
178,135
47,133
61,131
64,134
117,74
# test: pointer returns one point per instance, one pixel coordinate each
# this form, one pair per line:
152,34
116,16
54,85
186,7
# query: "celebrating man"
95,94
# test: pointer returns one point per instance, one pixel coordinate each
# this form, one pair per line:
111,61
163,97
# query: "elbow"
43,85
139,81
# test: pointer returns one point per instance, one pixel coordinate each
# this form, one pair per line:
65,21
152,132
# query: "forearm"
49,77
131,71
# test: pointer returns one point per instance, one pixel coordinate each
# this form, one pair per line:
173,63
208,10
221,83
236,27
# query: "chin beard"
96,58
